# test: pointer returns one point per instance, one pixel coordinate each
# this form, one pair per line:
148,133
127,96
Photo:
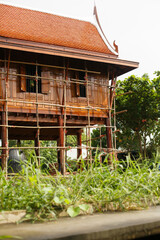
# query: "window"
28,78
80,85
30,81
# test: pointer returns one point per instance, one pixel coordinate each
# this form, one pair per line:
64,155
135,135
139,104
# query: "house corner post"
37,146
79,145
108,120
4,141
5,116
61,145
109,140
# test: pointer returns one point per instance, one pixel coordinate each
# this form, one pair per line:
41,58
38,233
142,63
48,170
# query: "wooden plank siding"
53,92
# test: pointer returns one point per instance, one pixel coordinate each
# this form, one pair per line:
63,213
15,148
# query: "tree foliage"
138,124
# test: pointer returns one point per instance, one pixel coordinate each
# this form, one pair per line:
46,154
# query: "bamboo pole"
79,145
63,127
108,126
115,129
37,142
48,127
89,123
5,120
64,114
51,66
55,147
56,105
73,80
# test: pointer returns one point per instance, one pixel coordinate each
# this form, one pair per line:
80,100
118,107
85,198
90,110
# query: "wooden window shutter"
45,82
73,92
23,78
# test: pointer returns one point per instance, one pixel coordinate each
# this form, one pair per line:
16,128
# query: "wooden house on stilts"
57,76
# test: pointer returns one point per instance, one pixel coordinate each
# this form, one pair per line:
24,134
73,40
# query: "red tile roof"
25,24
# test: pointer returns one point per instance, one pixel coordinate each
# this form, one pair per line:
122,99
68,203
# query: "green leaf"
67,201
57,200
47,190
84,207
10,237
73,211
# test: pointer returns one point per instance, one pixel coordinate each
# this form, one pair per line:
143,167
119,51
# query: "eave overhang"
21,45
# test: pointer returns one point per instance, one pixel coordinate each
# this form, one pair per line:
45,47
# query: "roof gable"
35,26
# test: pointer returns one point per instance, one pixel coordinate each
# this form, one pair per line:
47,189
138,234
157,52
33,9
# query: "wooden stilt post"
109,134
18,143
37,142
61,144
37,145
79,144
5,119
4,141
62,124
109,140
108,120
58,156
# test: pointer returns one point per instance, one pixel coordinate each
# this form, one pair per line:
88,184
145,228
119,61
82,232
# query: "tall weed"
98,188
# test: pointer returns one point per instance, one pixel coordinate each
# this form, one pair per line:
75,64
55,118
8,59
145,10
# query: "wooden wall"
52,92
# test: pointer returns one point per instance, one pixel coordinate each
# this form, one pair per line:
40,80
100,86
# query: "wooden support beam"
109,139
5,119
58,155
18,143
37,145
79,144
4,141
61,144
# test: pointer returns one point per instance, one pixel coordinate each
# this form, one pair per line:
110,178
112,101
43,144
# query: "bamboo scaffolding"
89,122
55,105
48,127
100,137
37,116
108,122
64,112
57,147
63,106
115,129
72,80
5,136
6,114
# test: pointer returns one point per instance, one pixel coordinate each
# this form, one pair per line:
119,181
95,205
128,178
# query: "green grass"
129,186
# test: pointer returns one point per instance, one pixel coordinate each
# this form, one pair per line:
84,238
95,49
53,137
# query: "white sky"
134,24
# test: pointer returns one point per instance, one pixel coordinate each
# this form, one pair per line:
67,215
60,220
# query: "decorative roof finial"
94,10
115,46
98,25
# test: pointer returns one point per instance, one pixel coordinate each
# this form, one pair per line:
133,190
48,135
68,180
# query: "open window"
80,85
31,78
28,78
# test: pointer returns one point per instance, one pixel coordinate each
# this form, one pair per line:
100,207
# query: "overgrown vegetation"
129,185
